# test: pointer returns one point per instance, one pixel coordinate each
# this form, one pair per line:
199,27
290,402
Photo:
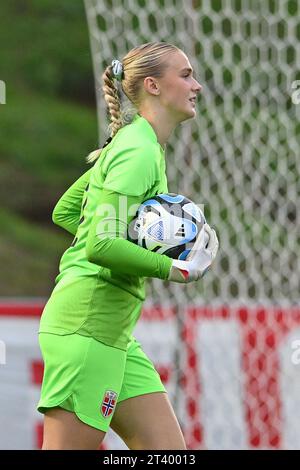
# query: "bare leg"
148,422
63,430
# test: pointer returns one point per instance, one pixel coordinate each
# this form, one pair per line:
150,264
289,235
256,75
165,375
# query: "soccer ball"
167,224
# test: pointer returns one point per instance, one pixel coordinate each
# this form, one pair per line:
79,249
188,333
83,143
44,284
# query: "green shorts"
87,377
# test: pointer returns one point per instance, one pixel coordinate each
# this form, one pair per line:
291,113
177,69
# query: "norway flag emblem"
108,403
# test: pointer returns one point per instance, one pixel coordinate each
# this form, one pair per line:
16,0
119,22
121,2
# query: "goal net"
235,364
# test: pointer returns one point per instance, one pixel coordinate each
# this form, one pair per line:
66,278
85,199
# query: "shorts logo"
108,403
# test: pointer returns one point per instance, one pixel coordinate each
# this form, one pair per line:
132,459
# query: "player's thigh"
148,422
144,417
64,431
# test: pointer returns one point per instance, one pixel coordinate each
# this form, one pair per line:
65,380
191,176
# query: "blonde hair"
150,59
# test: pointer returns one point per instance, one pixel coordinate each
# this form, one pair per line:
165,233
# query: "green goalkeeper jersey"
101,282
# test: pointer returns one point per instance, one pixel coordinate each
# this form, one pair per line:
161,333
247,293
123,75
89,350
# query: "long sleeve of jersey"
66,213
107,244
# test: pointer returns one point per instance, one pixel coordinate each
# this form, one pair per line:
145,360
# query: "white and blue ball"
167,224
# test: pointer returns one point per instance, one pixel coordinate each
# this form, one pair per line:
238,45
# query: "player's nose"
197,88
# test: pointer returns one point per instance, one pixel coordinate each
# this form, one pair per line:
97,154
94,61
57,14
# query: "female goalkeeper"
96,374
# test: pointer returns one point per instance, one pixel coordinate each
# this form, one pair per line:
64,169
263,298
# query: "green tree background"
47,127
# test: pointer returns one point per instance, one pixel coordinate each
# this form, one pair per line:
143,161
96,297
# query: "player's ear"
151,86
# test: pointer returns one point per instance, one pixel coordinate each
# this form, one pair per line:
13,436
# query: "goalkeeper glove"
198,260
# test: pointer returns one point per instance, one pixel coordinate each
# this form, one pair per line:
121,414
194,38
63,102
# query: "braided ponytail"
111,96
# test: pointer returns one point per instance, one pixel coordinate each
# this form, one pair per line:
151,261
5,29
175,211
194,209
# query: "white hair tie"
117,69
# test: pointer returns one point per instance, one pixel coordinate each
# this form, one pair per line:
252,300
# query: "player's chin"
189,113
